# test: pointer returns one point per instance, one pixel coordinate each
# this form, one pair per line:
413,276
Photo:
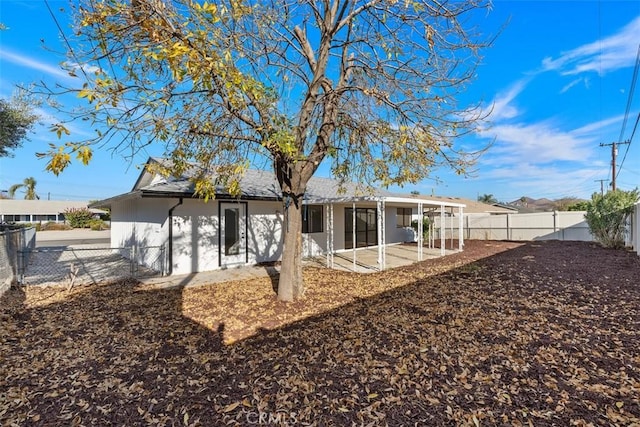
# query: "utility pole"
614,153
601,181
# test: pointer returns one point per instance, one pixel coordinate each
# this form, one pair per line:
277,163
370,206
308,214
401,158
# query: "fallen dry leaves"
542,333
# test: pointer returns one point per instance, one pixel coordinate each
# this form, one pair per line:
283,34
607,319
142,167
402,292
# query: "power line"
64,37
632,89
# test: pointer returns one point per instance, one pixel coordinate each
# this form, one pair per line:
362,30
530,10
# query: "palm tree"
29,185
488,199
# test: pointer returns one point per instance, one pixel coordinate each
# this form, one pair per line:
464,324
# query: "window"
312,219
366,228
403,217
44,217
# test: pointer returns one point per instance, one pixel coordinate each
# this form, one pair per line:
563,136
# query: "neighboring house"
226,232
506,208
39,211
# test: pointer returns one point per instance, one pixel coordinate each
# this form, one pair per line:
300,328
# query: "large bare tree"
369,87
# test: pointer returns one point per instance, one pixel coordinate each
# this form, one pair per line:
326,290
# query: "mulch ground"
504,333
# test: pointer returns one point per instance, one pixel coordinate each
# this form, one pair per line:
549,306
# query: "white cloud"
549,181
571,84
611,53
29,62
502,103
89,69
538,143
596,127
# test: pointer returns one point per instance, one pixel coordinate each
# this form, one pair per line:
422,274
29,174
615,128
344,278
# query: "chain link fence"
88,264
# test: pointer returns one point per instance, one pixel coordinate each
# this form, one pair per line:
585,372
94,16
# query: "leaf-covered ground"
542,333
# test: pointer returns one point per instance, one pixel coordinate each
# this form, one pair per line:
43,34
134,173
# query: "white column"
383,237
460,228
451,228
329,231
443,228
332,249
420,230
380,245
353,236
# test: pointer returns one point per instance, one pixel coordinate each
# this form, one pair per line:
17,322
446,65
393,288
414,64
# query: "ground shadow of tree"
515,337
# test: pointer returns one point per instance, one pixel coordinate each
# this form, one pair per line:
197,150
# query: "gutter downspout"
170,255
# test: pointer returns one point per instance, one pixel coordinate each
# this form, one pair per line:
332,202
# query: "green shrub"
607,216
579,206
425,227
49,226
98,224
78,218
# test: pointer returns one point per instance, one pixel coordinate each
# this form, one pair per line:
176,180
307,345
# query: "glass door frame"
242,256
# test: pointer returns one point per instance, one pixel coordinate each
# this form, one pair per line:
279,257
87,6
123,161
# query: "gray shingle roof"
261,184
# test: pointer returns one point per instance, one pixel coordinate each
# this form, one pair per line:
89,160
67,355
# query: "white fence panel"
480,227
524,227
635,228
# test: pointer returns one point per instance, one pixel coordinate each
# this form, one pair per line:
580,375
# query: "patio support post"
420,230
443,228
384,236
460,228
353,235
328,230
432,231
330,235
381,236
451,227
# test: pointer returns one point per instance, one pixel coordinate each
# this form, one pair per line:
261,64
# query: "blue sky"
557,79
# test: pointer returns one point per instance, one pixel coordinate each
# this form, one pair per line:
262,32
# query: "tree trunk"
293,182
291,284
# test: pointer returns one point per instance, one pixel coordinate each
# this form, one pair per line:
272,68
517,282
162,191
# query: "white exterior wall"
142,224
195,234
195,237
395,234
195,228
264,231
315,244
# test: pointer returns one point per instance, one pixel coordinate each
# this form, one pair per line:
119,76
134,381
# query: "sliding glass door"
366,227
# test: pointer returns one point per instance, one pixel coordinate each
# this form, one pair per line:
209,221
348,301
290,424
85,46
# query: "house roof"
262,185
473,206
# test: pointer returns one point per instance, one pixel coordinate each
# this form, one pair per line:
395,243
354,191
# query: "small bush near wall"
98,224
425,227
55,226
37,226
78,218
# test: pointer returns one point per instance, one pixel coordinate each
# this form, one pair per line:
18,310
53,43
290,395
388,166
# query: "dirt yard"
535,334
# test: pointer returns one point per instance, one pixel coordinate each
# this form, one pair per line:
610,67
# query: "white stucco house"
40,211
225,232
